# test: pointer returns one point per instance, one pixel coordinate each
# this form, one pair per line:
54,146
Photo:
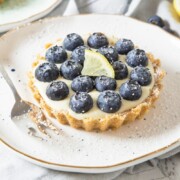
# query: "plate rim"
143,158
85,14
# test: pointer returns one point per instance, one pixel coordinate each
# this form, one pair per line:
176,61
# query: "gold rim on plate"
89,167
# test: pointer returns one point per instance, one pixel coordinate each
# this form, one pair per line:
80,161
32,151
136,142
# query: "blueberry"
57,91
78,54
137,57
109,101
130,90
70,69
56,54
120,69
103,83
123,46
72,41
156,20
142,75
97,40
47,72
82,84
81,102
110,53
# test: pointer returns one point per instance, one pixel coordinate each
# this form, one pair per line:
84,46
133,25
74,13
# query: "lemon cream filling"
95,112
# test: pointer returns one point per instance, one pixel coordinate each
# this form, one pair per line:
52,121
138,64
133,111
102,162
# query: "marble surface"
165,167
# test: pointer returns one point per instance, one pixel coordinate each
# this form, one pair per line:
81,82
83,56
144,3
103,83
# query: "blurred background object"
176,4
17,12
14,13
138,9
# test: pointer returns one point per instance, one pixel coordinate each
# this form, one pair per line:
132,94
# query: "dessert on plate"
95,82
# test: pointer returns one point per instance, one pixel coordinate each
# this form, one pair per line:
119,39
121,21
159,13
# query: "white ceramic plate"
77,150
16,12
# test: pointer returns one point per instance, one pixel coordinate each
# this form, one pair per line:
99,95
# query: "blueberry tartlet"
95,82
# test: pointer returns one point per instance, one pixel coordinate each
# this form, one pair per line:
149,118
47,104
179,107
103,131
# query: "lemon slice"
176,4
96,64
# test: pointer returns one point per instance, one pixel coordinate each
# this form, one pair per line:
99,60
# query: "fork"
21,107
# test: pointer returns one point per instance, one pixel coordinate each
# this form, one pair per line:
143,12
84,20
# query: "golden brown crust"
1,1
110,122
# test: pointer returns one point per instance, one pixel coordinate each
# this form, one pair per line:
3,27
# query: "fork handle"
9,82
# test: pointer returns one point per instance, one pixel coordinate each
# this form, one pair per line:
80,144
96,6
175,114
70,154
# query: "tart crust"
110,122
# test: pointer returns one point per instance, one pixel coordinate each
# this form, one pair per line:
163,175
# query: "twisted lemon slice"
96,64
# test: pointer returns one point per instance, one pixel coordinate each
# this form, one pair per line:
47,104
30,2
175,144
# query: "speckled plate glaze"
77,150
16,12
